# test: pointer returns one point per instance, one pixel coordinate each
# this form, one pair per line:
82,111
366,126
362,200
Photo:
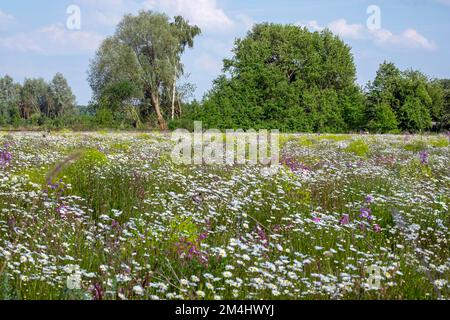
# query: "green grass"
358,147
416,146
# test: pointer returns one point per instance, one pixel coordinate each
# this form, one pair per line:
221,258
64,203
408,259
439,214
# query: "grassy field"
109,216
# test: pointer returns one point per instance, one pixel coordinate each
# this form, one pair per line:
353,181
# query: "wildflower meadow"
109,216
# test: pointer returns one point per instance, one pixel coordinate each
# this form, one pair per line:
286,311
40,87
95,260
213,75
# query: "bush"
358,147
416,146
104,118
440,142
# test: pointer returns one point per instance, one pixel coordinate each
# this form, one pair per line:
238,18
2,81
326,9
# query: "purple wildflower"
423,155
345,219
5,158
365,213
369,199
293,164
263,236
376,228
191,250
12,222
202,236
97,292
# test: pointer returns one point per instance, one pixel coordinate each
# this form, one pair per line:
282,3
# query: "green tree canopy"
35,100
34,97
62,99
144,52
410,96
445,118
9,100
286,77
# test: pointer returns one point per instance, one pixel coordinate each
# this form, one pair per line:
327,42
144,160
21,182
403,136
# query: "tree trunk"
173,93
155,102
179,107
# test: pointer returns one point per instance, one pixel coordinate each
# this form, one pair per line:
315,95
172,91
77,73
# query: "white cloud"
207,14
53,39
312,25
339,27
5,19
346,30
21,42
204,13
410,38
107,12
5,16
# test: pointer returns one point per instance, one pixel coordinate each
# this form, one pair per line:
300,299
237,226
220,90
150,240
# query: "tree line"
35,102
288,78
280,77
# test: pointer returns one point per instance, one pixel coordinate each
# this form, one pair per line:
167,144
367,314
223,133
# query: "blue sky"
35,40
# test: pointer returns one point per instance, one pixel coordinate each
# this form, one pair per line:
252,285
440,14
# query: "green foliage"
358,147
405,100
62,99
182,227
445,115
305,142
334,137
287,78
140,65
414,116
36,102
382,118
104,117
9,101
7,291
416,146
34,175
416,169
440,142
280,77
120,147
86,162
